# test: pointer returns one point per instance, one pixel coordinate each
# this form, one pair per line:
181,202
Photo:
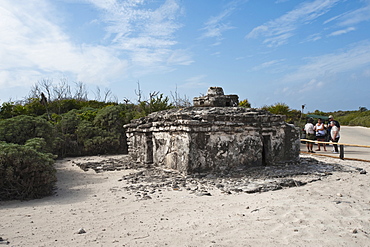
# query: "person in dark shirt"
336,123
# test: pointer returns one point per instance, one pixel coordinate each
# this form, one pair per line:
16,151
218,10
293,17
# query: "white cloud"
181,57
33,46
356,57
356,16
278,31
313,37
343,31
267,64
313,85
132,25
145,35
33,43
216,26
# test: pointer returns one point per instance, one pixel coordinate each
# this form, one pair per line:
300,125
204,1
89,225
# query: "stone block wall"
212,139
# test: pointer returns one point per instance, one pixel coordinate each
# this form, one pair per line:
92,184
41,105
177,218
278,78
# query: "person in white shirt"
320,134
310,134
334,134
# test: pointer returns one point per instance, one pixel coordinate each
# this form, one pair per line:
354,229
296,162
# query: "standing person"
320,133
334,133
310,134
331,118
336,123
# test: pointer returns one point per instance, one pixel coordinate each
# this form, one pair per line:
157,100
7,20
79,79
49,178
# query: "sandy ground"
333,211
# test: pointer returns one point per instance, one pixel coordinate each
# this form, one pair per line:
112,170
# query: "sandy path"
355,135
332,212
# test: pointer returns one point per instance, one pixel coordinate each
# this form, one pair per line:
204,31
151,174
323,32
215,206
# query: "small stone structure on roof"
215,97
212,139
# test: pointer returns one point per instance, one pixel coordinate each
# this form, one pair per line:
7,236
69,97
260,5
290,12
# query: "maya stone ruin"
213,136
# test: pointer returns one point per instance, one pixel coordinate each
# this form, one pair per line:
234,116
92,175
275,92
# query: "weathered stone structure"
215,97
212,139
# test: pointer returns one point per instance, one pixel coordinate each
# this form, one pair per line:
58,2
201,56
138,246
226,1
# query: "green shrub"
39,144
88,113
245,103
19,129
64,105
6,110
354,118
102,145
25,173
292,116
94,140
278,108
34,108
110,118
69,122
361,121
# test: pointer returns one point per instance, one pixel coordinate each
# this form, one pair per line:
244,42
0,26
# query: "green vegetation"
292,116
244,103
35,132
353,118
25,173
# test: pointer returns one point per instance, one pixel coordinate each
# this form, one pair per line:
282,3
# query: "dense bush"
94,140
110,118
102,145
65,143
245,103
25,173
361,121
353,118
292,116
156,103
38,144
21,128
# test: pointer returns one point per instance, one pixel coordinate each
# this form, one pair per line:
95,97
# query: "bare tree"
81,92
178,101
35,91
62,90
138,92
107,94
113,98
42,86
97,94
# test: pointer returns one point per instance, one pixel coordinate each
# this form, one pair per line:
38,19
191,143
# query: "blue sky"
314,52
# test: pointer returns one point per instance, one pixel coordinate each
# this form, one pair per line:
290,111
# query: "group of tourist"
322,132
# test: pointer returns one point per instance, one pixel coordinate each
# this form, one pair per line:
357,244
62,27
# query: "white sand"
334,211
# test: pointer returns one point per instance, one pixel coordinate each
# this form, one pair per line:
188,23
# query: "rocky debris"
148,182
362,171
81,231
109,164
153,181
4,241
